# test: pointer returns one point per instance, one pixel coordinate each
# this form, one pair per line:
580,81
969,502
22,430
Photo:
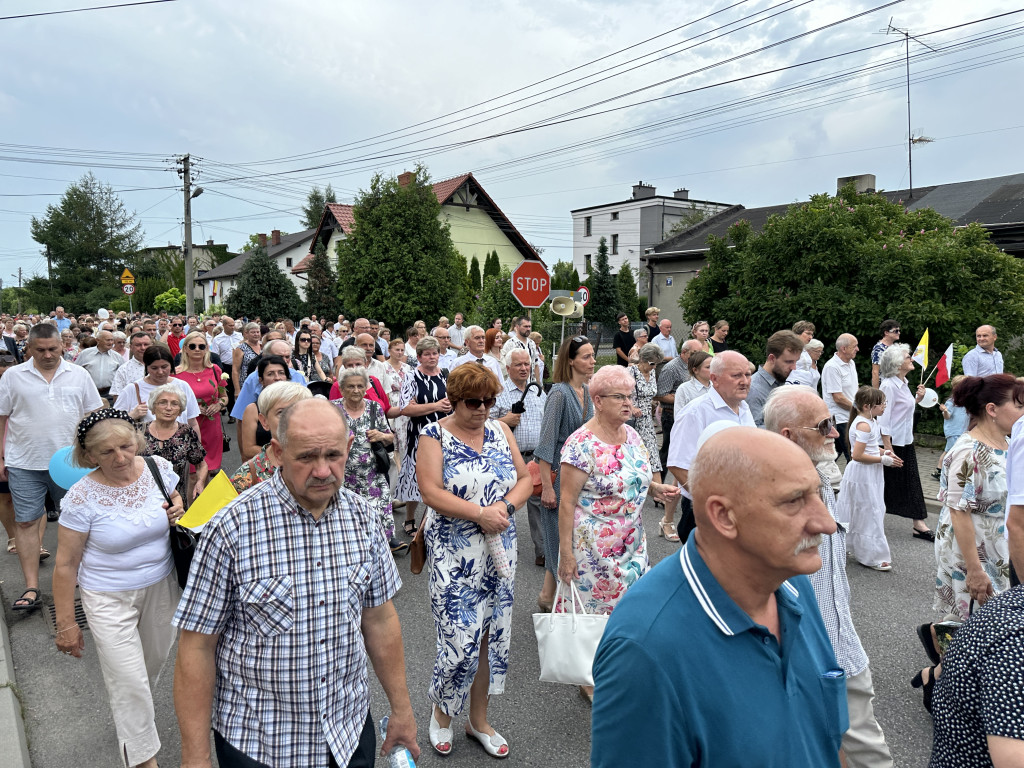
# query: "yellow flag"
215,496
921,353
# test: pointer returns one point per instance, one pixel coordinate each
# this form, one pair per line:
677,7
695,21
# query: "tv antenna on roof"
911,139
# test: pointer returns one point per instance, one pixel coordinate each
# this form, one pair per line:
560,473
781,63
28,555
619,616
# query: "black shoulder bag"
381,460
183,541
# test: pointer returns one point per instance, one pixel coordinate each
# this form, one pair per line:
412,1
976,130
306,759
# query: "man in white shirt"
520,339
458,334
133,369
327,346
446,358
412,338
839,386
382,371
666,341
724,401
224,344
476,342
101,361
984,359
41,402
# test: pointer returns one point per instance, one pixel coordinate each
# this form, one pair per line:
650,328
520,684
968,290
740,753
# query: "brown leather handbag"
418,549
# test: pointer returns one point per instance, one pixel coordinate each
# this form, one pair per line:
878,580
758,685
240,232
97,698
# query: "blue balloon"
64,473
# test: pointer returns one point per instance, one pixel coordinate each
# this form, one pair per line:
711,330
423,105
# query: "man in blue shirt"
719,657
984,359
251,387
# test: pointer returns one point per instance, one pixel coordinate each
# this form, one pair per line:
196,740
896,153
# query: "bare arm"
247,433
572,483
978,582
70,545
1005,752
874,376
195,673
382,635
524,484
842,400
421,409
491,519
1015,525
236,362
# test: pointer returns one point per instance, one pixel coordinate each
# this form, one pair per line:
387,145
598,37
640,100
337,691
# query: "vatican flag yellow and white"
921,353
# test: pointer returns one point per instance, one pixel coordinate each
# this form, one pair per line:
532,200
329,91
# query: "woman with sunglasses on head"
204,379
303,358
568,408
472,478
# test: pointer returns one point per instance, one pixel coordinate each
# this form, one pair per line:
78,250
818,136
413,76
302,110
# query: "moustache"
808,543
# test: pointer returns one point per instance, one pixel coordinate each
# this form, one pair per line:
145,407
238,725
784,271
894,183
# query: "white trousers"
133,636
864,743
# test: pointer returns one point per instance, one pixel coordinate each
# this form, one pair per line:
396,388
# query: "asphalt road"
68,718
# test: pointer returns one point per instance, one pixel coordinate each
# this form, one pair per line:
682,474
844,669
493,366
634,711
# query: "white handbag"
567,642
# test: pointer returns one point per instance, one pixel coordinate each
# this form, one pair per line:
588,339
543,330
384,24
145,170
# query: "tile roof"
234,266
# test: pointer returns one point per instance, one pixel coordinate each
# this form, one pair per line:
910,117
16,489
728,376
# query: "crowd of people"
343,425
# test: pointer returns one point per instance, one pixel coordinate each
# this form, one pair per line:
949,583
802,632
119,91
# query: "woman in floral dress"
366,423
971,549
644,390
178,443
606,473
472,479
204,379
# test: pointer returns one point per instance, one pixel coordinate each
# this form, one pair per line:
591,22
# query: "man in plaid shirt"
289,593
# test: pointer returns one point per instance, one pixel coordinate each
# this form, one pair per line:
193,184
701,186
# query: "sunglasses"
175,325
474,403
196,346
824,427
305,338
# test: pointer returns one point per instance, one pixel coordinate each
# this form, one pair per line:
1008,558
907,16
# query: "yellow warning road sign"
127,277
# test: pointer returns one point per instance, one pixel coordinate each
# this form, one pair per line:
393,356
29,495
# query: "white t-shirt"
127,400
128,545
42,417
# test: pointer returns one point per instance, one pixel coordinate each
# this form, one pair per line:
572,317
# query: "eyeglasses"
196,346
824,427
175,325
305,338
620,398
474,403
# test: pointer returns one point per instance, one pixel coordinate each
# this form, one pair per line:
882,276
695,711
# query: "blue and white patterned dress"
467,596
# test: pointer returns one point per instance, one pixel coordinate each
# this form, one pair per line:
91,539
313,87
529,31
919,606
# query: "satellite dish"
563,306
577,311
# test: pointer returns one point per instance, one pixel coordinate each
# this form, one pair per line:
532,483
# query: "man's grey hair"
473,329
43,331
845,340
719,361
692,344
167,389
271,345
709,461
786,405
284,423
891,361
506,361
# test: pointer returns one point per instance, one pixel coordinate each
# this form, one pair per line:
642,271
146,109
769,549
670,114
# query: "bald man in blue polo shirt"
718,656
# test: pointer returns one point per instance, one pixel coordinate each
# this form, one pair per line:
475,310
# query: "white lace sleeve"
167,474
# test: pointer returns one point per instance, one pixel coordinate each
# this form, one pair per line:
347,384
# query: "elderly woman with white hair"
903,493
177,443
806,371
113,542
271,403
642,338
644,390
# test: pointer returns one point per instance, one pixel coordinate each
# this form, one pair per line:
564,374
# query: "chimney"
865,182
209,243
681,194
275,237
404,179
641,191
261,238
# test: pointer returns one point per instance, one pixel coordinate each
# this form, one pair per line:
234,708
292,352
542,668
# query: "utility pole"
186,176
49,274
911,139
19,290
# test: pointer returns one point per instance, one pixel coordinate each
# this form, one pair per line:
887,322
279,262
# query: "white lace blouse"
128,545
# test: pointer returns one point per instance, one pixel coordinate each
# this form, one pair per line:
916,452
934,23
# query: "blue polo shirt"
684,677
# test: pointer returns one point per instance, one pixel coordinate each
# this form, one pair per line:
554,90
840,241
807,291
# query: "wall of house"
474,233
666,297
295,253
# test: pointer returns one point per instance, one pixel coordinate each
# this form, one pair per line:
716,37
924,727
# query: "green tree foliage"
626,286
464,295
399,259
146,291
564,277
492,266
496,300
91,237
848,262
604,294
254,241
475,280
321,285
693,216
313,210
262,290
172,300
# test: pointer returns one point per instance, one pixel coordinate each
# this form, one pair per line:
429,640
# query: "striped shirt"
527,434
285,592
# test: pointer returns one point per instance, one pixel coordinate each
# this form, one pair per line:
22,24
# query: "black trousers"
363,757
667,420
226,368
841,444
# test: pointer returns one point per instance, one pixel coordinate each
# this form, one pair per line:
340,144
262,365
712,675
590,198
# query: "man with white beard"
798,414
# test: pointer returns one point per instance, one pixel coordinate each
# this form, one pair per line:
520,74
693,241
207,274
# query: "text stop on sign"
531,284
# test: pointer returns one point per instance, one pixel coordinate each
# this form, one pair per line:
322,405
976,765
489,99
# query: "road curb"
13,744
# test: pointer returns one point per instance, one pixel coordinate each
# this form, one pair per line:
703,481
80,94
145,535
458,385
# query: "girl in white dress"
861,504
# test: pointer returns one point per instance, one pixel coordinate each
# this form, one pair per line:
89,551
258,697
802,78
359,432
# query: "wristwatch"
508,506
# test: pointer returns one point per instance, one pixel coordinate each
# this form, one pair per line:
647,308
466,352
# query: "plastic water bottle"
399,756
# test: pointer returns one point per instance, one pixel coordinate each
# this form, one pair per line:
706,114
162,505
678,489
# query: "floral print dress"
607,532
973,479
644,391
361,476
467,596
181,449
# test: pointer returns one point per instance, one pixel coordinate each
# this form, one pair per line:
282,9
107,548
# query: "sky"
552,105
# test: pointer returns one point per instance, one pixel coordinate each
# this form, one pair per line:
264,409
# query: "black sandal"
926,535
928,687
409,526
924,634
29,603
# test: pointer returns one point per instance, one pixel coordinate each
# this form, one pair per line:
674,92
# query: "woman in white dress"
861,504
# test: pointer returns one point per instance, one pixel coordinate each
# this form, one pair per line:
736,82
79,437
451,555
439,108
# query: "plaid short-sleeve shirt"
285,593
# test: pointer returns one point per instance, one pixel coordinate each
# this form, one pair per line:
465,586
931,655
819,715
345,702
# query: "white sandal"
495,745
439,736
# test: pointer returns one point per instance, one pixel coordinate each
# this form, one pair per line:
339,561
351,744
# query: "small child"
954,424
861,504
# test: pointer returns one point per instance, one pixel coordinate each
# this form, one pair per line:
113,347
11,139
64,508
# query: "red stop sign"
531,284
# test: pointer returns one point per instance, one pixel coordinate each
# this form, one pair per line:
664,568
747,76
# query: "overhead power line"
81,10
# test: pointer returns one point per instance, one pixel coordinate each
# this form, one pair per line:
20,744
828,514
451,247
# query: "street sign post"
584,295
128,286
531,284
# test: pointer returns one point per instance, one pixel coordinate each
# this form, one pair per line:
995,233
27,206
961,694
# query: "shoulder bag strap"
156,476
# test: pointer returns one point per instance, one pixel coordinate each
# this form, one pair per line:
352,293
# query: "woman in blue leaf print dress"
472,479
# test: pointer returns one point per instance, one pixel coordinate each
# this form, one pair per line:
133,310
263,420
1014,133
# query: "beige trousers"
133,636
864,743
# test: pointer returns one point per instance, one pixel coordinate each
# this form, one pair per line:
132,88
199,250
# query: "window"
288,261
615,215
615,243
586,263
586,226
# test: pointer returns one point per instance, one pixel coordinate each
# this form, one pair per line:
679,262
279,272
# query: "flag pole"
925,379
